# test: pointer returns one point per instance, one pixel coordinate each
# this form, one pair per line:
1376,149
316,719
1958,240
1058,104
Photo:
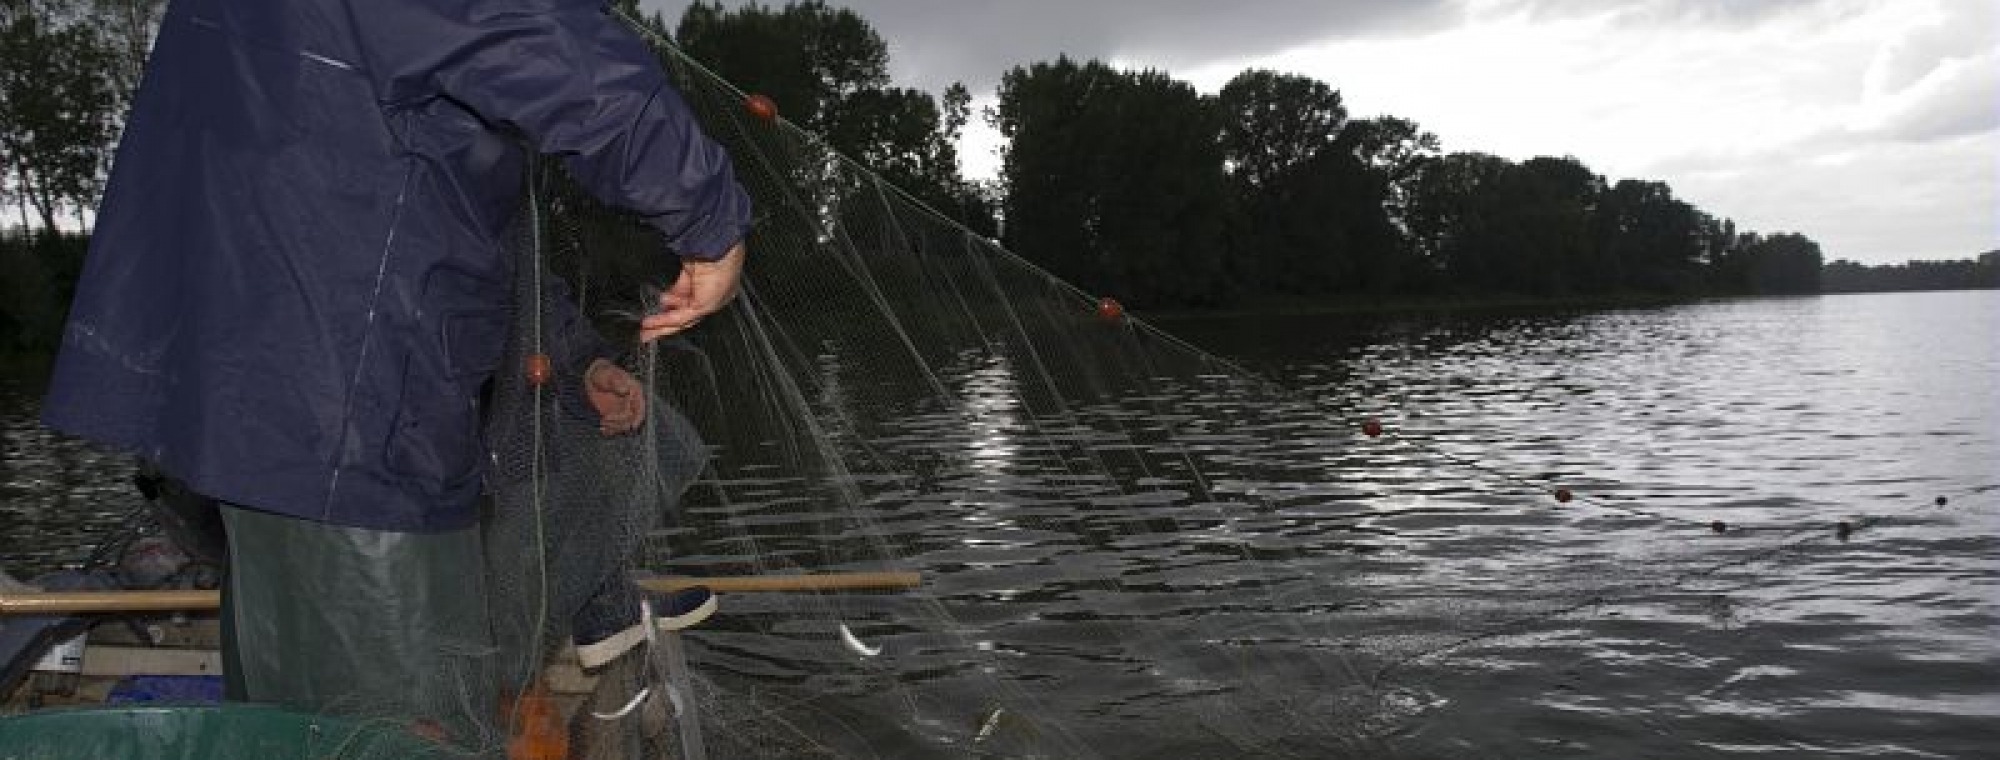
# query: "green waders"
362,623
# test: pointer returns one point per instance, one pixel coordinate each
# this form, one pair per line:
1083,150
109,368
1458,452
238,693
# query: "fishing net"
1129,547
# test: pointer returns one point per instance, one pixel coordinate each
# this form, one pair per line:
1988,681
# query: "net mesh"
1130,547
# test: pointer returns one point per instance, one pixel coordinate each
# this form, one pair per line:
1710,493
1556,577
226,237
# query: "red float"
761,106
1371,428
1563,495
537,369
1109,309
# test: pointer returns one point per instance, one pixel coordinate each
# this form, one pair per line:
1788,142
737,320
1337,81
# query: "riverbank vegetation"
1130,184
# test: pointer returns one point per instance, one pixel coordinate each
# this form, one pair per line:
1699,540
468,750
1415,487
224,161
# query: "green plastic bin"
205,732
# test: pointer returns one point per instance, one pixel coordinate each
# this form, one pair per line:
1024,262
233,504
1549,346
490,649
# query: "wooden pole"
67,602
74,602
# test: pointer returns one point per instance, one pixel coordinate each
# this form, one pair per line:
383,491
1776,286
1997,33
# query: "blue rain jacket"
296,285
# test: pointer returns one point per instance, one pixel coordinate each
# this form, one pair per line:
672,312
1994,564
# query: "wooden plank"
77,602
159,661
73,602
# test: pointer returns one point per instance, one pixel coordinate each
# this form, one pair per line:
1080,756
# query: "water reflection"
991,401
1312,582
57,494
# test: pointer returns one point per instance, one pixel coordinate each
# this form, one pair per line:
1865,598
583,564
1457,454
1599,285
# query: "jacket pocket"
434,441
474,340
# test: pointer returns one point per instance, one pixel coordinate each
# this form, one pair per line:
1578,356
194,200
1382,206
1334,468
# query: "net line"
816,466
989,248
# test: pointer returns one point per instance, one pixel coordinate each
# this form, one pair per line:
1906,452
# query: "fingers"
673,320
625,422
605,382
681,294
658,326
615,381
702,288
617,396
622,413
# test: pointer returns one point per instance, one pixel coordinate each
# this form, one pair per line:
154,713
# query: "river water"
1787,414
1770,410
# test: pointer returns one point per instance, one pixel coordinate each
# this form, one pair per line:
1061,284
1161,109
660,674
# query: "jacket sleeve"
577,83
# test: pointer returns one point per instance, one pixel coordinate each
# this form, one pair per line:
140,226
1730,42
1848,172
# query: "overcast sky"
1872,126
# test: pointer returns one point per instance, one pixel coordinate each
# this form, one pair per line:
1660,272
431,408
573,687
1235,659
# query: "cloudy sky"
1872,126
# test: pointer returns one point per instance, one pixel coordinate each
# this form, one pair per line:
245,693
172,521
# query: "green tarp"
204,732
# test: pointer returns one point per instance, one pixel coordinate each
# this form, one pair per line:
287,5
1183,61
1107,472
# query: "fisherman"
296,288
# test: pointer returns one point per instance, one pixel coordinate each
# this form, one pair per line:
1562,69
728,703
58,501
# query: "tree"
1304,217
1649,241
1322,229
1450,216
1396,149
1550,226
1272,123
1510,228
807,57
1551,202
1849,277
947,189
58,109
1786,263
829,72
129,27
1114,180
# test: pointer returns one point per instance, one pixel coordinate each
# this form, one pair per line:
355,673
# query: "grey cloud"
1968,103
936,42
1967,29
1726,13
1952,69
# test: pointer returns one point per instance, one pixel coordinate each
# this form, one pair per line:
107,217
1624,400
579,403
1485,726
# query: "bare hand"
703,288
619,399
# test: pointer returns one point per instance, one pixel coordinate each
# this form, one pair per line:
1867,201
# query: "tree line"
1965,274
68,69
1127,183
1133,182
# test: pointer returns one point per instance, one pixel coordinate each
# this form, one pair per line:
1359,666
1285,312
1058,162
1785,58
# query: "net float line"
1843,528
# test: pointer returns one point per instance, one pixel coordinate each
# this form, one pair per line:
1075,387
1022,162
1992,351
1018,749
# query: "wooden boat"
148,664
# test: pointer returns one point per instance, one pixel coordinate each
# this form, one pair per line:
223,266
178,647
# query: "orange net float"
538,731
761,106
1564,496
537,369
1109,309
1371,428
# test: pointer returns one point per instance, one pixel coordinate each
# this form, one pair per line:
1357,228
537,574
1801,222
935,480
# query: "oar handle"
74,602
71,602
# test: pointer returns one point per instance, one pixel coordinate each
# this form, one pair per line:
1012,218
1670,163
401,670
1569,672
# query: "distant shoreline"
1269,306
1277,307
30,369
